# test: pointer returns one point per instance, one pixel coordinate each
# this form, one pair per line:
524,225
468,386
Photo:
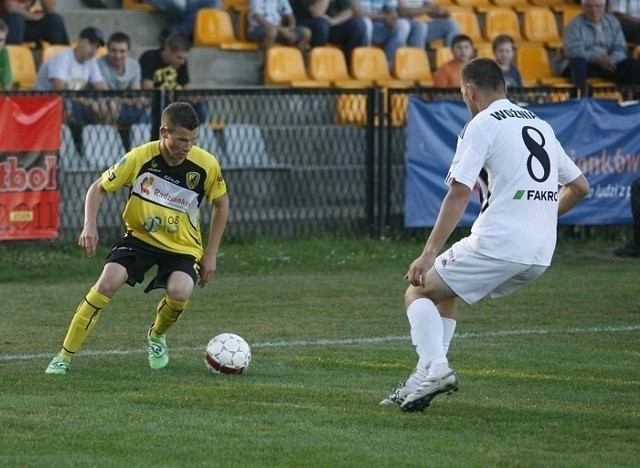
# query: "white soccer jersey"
525,164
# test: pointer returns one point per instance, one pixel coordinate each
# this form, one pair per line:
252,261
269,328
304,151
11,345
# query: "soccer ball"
227,353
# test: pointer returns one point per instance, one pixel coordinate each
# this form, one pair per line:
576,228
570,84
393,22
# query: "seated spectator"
27,22
504,51
77,69
595,46
272,21
6,76
182,14
331,21
166,68
384,27
122,73
628,13
632,249
448,74
440,26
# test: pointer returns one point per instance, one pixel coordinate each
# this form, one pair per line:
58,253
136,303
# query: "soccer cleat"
158,352
397,396
432,386
58,365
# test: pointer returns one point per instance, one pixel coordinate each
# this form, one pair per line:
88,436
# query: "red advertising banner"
29,147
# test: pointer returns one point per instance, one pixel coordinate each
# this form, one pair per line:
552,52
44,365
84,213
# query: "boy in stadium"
167,180
512,240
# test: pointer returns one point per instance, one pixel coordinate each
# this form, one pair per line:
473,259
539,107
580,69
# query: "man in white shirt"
512,240
76,69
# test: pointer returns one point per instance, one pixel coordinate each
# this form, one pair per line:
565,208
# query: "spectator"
122,73
272,21
384,27
166,68
595,46
77,69
441,26
632,249
448,74
182,14
504,50
331,21
628,13
28,23
6,77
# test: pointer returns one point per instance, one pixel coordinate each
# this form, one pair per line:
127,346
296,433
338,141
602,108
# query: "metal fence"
297,162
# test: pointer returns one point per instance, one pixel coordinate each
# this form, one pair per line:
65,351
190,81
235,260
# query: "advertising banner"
602,137
29,147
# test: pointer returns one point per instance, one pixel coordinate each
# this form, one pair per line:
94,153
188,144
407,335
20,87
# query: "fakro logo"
19,179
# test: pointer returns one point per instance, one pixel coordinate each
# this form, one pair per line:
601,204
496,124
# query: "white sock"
449,327
426,333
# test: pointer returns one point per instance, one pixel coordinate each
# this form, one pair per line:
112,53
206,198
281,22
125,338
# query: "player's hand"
418,270
89,240
207,269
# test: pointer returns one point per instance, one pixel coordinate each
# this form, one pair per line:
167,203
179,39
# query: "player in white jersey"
512,240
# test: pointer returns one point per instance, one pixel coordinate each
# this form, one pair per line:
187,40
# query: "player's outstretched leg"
443,381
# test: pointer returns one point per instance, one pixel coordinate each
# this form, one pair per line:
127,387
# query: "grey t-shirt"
130,78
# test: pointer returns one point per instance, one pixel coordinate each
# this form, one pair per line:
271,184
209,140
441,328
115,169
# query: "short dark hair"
502,39
178,42
461,38
180,114
120,37
484,74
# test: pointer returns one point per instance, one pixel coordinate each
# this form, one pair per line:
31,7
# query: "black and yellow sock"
168,312
83,322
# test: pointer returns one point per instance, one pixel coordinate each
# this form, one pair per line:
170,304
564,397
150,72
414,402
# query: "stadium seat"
472,4
517,5
539,26
370,64
412,64
51,50
567,13
284,65
502,21
23,66
485,50
102,146
329,64
236,5
213,28
469,25
137,5
443,55
533,63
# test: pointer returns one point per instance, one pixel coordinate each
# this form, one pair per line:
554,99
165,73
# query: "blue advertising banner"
602,137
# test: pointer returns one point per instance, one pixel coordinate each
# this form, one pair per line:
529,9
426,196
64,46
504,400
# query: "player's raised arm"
89,235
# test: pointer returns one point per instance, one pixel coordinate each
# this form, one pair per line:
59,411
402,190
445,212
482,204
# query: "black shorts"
138,257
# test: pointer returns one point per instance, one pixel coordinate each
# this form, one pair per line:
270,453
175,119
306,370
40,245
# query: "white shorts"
472,275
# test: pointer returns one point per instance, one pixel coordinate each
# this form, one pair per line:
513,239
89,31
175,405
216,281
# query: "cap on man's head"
93,35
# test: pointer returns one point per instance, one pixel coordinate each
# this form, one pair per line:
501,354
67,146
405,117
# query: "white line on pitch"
348,341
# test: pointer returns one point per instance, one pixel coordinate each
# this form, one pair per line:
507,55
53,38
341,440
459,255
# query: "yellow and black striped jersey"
163,208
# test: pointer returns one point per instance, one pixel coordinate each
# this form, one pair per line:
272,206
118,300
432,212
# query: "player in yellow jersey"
167,182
